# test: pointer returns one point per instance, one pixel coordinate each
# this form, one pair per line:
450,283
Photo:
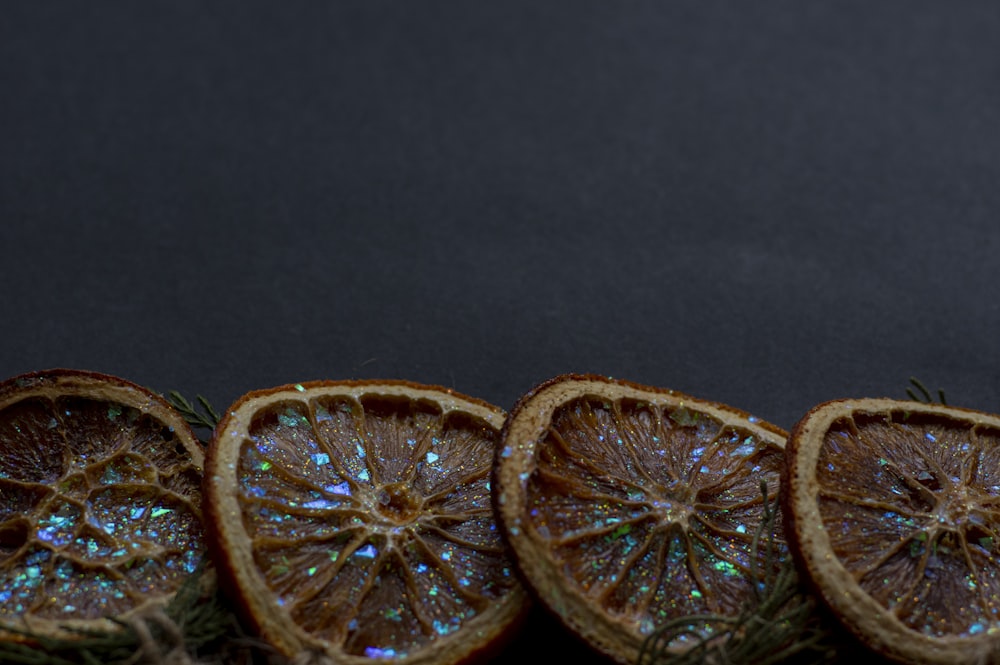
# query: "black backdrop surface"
763,204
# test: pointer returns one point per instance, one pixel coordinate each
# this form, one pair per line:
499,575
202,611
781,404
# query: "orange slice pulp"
99,502
352,520
626,506
893,517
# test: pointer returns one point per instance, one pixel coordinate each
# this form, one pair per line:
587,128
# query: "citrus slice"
99,502
626,506
892,513
353,520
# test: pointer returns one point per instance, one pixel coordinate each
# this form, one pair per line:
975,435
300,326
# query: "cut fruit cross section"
627,506
893,516
353,520
100,502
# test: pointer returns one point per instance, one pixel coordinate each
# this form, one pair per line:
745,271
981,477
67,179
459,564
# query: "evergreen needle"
206,417
922,394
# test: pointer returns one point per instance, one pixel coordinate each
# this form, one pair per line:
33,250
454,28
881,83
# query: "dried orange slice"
892,513
99,502
353,520
626,506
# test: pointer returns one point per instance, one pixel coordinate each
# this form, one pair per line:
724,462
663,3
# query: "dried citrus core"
355,519
99,500
894,513
628,506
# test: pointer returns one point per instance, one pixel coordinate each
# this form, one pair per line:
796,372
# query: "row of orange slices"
357,521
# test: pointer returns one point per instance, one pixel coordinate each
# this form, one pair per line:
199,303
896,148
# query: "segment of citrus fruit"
892,513
626,506
353,520
100,495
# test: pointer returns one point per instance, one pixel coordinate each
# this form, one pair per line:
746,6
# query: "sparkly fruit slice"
353,520
892,513
626,506
100,494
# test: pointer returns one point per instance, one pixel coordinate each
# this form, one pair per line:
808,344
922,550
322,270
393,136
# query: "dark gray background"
763,204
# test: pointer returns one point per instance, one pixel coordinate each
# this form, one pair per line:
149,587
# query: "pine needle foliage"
918,392
204,417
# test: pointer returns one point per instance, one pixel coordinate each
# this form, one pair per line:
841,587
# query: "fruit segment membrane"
650,510
370,518
98,508
911,504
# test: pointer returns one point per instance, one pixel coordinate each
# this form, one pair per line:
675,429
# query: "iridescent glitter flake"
97,512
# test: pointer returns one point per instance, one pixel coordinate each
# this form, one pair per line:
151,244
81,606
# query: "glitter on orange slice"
892,513
353,520
100,494
627,506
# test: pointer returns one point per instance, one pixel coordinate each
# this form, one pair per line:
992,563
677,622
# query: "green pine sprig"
918,392
206,417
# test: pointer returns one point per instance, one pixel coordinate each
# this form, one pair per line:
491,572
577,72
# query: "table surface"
765,206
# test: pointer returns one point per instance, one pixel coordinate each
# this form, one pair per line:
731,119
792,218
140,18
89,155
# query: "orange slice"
893,515
353,520
626,506
99,502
